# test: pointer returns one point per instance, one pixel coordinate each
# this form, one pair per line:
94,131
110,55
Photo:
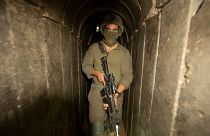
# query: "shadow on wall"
46,116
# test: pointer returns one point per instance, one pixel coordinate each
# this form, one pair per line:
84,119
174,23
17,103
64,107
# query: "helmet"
112,19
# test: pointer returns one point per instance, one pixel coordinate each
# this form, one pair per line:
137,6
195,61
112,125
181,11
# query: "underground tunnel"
43,91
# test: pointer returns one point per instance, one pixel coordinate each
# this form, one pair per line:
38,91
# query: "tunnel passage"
44,93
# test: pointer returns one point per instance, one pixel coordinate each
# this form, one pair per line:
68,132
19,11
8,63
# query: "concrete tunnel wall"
42,89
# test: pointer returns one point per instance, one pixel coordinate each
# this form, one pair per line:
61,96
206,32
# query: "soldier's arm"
99,75
126,73
87,63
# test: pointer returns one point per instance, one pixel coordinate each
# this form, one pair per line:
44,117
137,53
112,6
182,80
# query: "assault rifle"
108,93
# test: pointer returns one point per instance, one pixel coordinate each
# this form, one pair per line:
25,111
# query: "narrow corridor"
43,91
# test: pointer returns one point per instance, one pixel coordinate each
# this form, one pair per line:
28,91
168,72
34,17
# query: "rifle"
108,93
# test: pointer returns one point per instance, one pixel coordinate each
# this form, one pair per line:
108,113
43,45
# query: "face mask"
110,38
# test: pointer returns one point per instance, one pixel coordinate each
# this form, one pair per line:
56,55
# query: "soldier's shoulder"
123,48
93,46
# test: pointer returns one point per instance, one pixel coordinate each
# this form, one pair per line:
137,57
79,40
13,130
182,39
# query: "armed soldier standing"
119,64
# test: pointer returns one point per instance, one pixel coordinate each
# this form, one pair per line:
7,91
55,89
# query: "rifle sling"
102,49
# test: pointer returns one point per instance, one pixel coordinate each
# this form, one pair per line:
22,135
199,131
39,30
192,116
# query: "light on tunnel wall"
97,28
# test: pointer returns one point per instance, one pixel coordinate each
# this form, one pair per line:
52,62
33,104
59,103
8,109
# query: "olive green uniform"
119,63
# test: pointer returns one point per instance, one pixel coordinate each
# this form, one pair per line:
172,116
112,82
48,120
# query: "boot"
97,129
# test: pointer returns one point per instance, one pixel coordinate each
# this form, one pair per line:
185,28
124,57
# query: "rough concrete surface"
43,91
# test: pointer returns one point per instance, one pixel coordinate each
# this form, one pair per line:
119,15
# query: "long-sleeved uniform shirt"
119,63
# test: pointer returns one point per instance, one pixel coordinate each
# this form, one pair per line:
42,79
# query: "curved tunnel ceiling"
90,13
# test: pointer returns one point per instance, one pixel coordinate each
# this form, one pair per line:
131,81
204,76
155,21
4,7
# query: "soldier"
119,63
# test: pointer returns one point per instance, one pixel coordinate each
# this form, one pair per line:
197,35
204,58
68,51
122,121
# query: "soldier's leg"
96,113
97,129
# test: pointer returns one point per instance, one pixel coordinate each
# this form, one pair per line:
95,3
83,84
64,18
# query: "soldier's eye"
111,30
115,30
108,29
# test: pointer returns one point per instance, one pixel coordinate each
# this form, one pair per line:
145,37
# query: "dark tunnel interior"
43,91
